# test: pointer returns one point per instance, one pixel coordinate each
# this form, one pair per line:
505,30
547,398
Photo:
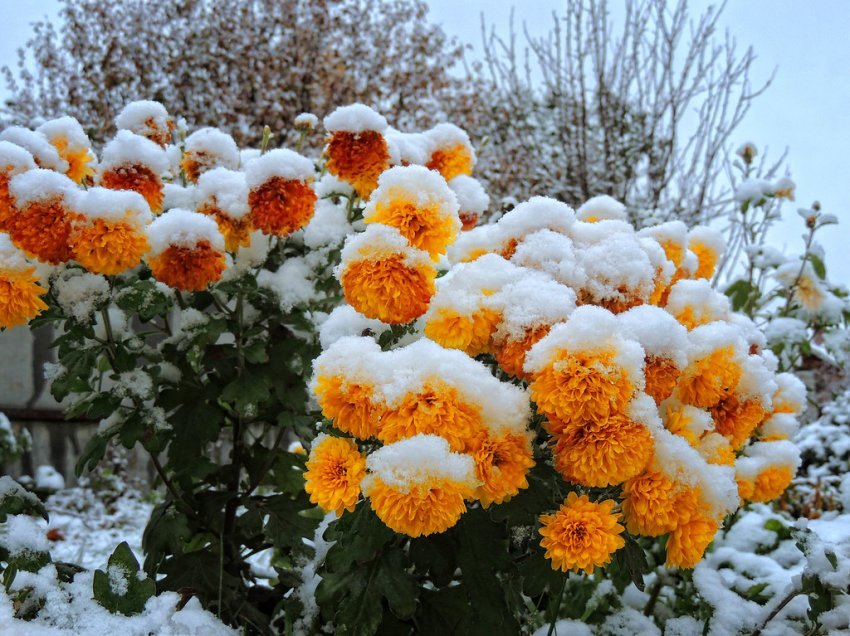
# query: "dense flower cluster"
187,210
641,374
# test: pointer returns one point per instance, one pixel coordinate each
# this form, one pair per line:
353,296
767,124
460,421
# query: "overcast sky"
807,108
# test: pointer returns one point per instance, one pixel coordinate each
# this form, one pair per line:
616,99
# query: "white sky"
807,109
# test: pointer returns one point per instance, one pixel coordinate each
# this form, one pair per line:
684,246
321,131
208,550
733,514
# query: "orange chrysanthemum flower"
281,206
349,405
510,354
108,248
14,160
388,289
654,505
603,452
236,232
357,158
501,465
451,162
711,379
20,299
419,204
470,334
687,543
137,178
335,469
437,409
707,245
425,509
188,268
7,204
42,229
770,484
468,220
737,420
661,377
582,535
582,387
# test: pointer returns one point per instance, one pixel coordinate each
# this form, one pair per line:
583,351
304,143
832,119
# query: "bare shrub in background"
235,64
644,113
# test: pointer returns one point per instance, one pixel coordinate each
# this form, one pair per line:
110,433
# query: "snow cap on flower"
130,149
112,206
281,162
695,303
355,118
708,245
407,148
44,154
552,253
417,460
183,228
472,199
601,208
532,301
657,332
148,119
224,189
39,186
209,148
451,151
14,159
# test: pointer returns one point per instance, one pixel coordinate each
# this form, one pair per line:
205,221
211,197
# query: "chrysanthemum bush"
371,415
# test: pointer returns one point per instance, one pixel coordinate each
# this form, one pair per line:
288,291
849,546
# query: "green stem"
557,608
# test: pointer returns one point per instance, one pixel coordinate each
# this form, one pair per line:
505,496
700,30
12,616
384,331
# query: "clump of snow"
329,225
418,460
344,321
11,257
214,143
471,196
759,456
45,155
183,228
130,149
80,294
293,283
65,129
48,478
177,196
309,575
112,206
602,207
24,535
698,296
329,186
40,185
282,163
657,332
407,148
223,189
533,301
355,118
14,159
553,253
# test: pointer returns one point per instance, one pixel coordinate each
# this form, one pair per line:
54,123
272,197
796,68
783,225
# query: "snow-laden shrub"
522,420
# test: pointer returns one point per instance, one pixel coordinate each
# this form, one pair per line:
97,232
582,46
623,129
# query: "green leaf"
446,612
483,554
359,535
249,388
16,500
817,265
754,593
120,589
395,584
775,525
145,299
631,560
287,524
740,293
92,454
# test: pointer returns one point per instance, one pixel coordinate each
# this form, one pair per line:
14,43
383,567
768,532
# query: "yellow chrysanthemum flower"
349,405
687,543
425,509
470,334
604,452
737,420
436,409
357,158
770,484
661,374
335,469
582,535
582,387
417,486
108,248
710,379
510,354
80,160
20,299
501,464
451,151
388,290
236,232
654,505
